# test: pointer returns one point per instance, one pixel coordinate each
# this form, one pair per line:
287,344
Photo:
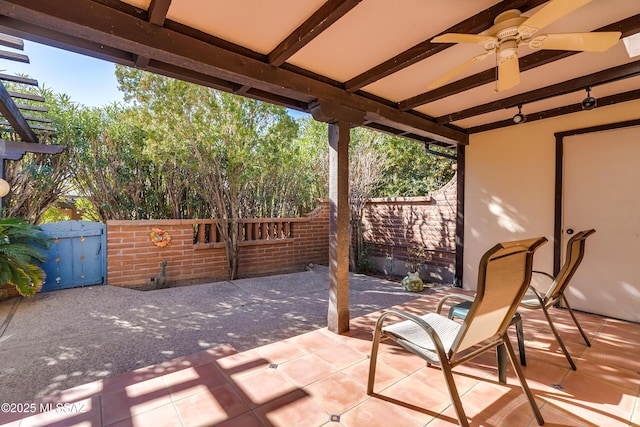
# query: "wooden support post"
338,316
341,119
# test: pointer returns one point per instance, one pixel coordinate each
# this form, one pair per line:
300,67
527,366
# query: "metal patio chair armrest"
447,297
544,273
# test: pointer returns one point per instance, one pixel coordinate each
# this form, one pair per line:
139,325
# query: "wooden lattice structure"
26,123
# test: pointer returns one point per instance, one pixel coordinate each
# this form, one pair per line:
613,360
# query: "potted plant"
22,251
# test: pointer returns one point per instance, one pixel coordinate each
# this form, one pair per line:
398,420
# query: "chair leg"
453,393
555,332
520,334
373,360
573,316
523,381
501,355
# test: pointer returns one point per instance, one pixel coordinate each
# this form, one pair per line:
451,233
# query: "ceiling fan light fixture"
589,103
519,117
507,49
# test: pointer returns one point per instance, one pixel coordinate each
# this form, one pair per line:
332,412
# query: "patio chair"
535,299
503,278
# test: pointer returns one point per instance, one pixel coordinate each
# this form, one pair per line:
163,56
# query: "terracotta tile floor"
319,379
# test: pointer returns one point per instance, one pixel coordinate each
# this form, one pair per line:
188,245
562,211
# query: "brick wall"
414,229
399,230
132,259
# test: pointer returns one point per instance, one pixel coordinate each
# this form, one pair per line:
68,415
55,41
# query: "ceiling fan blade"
460,68
463,38
553,11
588,42
508,73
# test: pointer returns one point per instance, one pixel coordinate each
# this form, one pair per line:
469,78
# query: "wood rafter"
103,26
157,15
13,56
158,11
605,76
560,111
10,41
33,108
29,96
627,26
322,19
17,79
12,114
475,24
14,150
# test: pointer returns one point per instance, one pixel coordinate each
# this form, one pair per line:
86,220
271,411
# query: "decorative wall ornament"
159,237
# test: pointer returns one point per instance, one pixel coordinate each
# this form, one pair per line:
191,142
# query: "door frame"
559,180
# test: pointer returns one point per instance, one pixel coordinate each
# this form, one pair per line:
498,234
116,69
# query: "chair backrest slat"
503,278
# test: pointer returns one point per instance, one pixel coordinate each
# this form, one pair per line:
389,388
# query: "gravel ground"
61,339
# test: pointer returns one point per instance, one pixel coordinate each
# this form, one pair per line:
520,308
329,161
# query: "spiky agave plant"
22,248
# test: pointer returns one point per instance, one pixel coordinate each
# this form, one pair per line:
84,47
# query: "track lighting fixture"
589,102
519,117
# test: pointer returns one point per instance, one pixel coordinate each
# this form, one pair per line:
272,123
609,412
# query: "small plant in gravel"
22,251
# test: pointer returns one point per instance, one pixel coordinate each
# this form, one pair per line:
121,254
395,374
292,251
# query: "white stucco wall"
509,178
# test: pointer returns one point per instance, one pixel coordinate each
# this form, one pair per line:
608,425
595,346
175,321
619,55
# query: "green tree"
411,171
228,147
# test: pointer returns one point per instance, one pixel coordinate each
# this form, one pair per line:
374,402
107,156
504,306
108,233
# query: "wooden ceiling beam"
158,11
50,37
100,24
321,19
560,111
627,26
157,14
473,25
620,72
186,75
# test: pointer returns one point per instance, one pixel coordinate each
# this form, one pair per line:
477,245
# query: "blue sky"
86,80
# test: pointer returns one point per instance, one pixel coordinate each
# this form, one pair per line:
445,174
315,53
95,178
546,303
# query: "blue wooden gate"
77,256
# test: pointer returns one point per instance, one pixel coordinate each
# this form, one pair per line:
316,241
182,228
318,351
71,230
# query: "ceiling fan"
511,30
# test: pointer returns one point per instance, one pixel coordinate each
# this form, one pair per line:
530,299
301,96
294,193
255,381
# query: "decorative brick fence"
400,232
414,230
267,246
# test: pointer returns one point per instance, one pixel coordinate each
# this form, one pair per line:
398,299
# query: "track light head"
519,117
589,102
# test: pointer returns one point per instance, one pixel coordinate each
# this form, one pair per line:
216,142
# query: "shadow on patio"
318,378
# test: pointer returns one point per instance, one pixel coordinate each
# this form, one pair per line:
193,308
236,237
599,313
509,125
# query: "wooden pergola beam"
11,41
158,11
17,79
108,27
14,150
560,111
322,19
425,49
620,72
627,26
12,114
13,56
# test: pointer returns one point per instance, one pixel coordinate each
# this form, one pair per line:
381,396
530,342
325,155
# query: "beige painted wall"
510,183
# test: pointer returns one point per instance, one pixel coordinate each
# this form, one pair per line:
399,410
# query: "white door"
602,191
